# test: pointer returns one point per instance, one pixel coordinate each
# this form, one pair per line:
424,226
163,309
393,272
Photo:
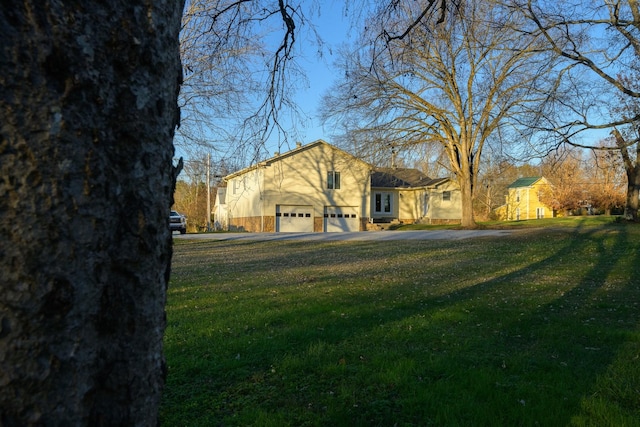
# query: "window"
539,213
333,180
387,202
446,196
517,196
382,203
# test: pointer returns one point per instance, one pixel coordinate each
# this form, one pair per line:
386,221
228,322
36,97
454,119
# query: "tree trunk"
466,193
632,169
633,191
88,110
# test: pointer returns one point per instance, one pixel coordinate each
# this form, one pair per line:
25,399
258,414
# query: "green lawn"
540,328
562,222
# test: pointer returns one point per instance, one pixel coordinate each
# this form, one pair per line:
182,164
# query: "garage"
341,218
296,219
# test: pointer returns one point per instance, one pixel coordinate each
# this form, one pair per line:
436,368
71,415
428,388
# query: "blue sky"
333,29
315,62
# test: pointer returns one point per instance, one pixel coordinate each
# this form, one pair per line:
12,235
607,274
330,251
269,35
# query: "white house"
320,188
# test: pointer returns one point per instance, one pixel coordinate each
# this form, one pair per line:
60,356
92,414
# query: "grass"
539,328
558,222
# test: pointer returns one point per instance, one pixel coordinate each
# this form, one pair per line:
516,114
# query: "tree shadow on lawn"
536,360
552,353
612,327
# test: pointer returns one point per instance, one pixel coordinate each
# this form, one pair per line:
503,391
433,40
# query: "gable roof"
402,178
380,177
524,182
290,153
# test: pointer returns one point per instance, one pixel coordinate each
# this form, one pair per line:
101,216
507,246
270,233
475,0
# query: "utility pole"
208,192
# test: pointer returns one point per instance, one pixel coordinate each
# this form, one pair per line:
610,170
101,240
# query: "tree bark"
87,115
466,196
633,192
462,161
632,169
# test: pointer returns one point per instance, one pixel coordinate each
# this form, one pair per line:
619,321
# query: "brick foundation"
251,223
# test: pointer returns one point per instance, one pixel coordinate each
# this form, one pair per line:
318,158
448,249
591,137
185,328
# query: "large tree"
630,153
606,174
456,83
88,111
599,42
241,72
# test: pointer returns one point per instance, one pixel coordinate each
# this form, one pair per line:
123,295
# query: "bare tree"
216,59
606,175
569,190
631,161
599,41
456,83
191,193
88,113
431,159
240,74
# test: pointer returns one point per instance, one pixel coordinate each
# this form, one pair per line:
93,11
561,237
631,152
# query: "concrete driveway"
354,236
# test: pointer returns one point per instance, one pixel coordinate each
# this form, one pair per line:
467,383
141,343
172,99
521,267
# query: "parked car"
178,222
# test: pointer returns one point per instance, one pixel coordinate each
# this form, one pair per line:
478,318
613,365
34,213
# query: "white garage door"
297,219
341,218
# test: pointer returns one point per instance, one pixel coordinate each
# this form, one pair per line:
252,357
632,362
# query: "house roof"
524,182
402,178
289,153
380,177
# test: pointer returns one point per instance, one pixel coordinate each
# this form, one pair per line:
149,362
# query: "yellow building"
523,200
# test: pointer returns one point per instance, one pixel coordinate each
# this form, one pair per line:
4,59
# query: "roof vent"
298,144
